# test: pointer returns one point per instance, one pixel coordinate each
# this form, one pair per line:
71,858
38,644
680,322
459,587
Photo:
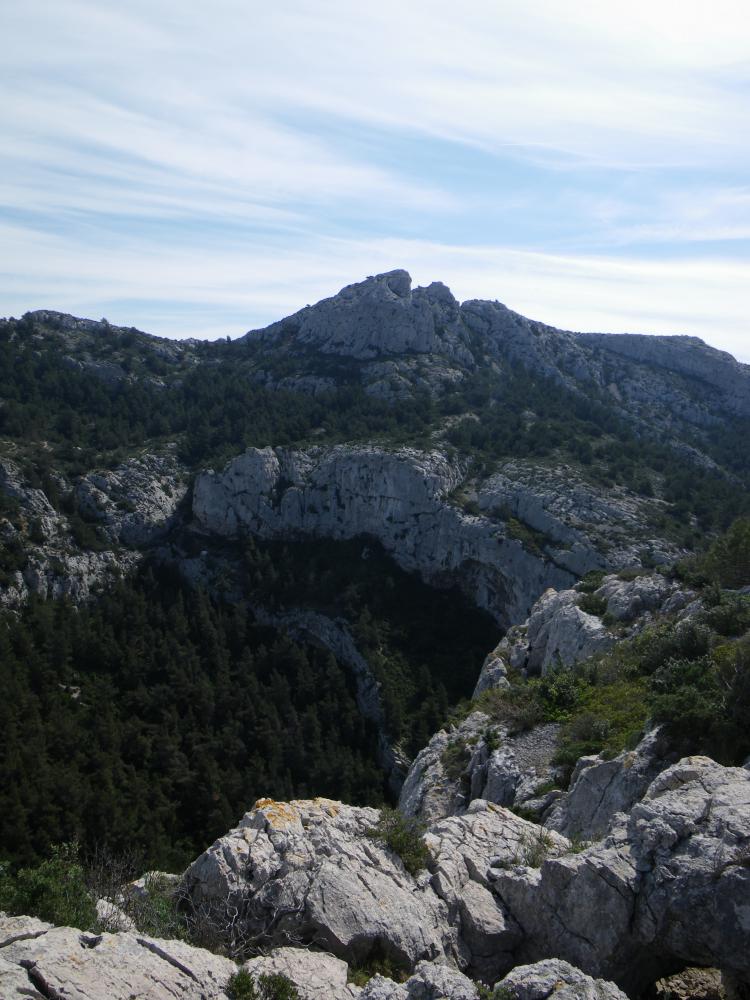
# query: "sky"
200,169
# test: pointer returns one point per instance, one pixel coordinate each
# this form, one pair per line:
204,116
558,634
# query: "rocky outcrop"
378,317
479,759
430,981
559,632
404,499
667,888
600,788
397,340
401,498
308,873
687,356
558,978
464,848
135,503
131,506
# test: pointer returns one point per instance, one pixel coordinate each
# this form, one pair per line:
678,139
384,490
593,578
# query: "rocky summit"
397,651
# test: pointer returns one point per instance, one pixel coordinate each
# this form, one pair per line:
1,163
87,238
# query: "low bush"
402,835
592,604
54,890
245,986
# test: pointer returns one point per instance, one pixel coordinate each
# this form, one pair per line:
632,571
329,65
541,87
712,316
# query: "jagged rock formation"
666,887
601,788
401,339
479,759
558,632
307,872
133,505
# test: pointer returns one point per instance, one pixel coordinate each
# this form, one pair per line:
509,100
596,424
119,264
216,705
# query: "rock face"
400,498
378,317
478,759
135,503
307,872
64,962
553,976
131,506
464,849
600,788
688,356
560,633
667,888
316,975
557,632
401,339
403,499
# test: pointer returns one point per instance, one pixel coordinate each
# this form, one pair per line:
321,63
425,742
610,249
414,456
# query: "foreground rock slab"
66,963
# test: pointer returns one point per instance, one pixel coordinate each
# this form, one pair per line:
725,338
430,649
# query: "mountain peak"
379,317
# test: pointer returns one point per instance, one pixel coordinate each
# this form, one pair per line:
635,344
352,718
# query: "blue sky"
199,170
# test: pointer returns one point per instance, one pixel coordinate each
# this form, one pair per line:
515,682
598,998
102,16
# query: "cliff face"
408,500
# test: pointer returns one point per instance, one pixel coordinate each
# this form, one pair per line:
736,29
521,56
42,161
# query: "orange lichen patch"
279,815
329,806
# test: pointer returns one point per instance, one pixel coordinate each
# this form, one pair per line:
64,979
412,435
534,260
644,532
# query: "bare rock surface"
478,759
600,788
464,848
136,502
307,872
131,506
560,633
668,887
15,983
400,497
431,981
68,963
555,977
317,975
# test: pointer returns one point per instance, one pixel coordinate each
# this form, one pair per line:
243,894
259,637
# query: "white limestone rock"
317,975
136,502
75,965
15,983
508,772
308,872
465,848
601,788
555,977
668,886
400,497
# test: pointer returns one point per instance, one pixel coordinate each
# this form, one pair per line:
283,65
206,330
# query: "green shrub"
54,890
402,835
244,986
455,757
592,604
378,963
591,581
519,707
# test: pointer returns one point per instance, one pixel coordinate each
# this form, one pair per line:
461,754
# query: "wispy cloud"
203,170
